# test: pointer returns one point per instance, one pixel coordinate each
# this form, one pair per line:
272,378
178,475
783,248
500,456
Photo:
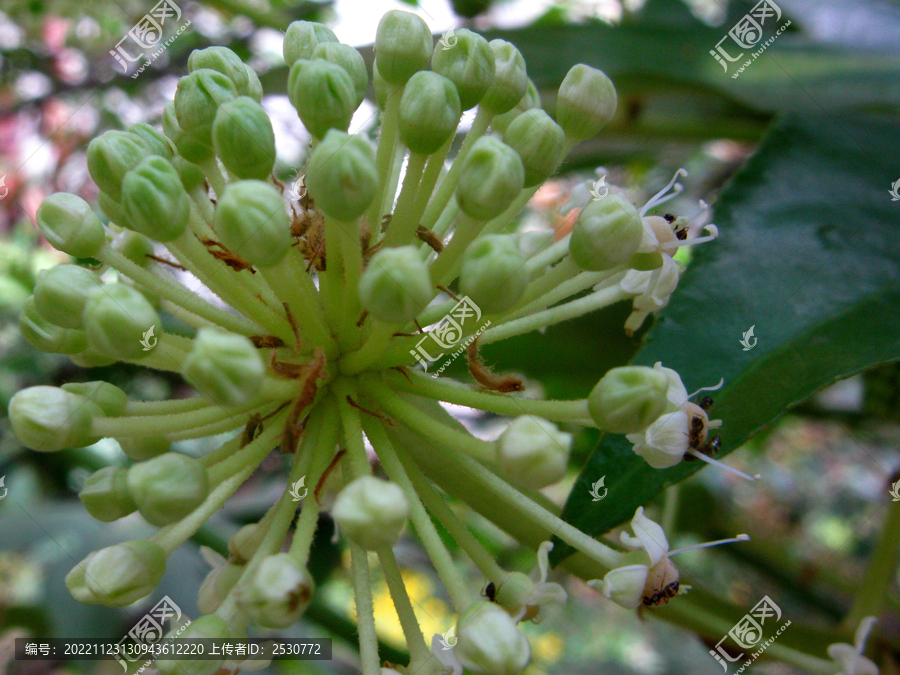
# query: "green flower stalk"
342,312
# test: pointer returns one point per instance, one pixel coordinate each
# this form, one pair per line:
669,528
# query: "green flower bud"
342,176
108,397
154,200
322,94
105,494
91,358
48,337
349,59
167,488
646,262
111,208
607,233
371,511
224,367
170,125
493,272
209,626
514,592
136,247
277,592
112,155
492,177
539,142
254,86
510,80
429,112
403,45
70,225
197,100
469,64
490,641
159,144
252,221
76,582
531,99
140,449
243,138
395,285
61,291
192,176
116,316
533,452
586,103
217,585
302,38
628,399
222,60
119,575
49,419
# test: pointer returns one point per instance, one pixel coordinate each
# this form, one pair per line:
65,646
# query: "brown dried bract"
311,372
166,262
233,260
485,376
266,341
334,462
430,238
370,412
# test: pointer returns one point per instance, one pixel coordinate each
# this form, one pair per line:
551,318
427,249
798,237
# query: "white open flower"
665,442
849,658
651,289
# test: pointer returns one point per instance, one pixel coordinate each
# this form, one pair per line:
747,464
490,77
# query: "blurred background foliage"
797,156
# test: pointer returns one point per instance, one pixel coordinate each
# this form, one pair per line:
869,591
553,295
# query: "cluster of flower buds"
330,299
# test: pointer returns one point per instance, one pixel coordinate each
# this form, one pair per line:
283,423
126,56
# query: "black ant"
490,591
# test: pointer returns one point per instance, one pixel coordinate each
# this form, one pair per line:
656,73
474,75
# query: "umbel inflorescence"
332,297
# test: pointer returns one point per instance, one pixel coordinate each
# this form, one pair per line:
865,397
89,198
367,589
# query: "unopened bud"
119,575
469,64
371,511
429,112
61,291
510,79
217,585
628,399
211,626
105,494
154,200
225,61
323,95
587,102
533,452
48,337
492,177
539,141
403,45
607,233
395,285
224,367
493,272
531,99
49,419
70,225
341,176
116,317
277,592
143,448
108,397
252,221
112,155
197,100
245,542
192,176
243,138
254,86
349,59
490,641
301,39
134,246
158,143
167,488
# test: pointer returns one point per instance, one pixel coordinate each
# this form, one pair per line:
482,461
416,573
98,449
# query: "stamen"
715,462
713,388
661,197
713,234
709,544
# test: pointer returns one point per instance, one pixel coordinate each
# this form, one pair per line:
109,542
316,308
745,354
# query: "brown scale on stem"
298,343
325,474
369,412
430,238
219,252
254,425
266,341
310,372
166,262
482,373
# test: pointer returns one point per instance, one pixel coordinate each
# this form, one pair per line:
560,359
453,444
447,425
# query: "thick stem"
384,156
403,224
153,425
365,611
418,650
372,348
214,175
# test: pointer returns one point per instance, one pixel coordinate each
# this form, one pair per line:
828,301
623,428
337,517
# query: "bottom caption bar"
52,649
